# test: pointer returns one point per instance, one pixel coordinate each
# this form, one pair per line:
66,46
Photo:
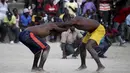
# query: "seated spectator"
27,3
37,19
25,19
10,21
51,9
106,42
89,6
119,19
88,14
70,40
72,7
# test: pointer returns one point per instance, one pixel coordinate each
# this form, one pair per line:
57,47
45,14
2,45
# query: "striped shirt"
104,7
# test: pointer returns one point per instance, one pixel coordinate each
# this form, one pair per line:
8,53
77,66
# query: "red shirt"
51,10
121,15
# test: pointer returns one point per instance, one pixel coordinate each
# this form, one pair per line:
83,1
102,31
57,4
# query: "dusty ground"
16,58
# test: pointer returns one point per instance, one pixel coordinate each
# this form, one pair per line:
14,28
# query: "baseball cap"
25,10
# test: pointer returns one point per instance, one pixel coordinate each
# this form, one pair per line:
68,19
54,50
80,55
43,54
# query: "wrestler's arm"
59,29
65,24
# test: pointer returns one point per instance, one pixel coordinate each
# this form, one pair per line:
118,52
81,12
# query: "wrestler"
32,38
95,32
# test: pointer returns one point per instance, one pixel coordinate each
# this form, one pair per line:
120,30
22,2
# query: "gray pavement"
16,58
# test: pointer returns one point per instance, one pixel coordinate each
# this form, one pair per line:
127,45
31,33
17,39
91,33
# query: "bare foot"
34,69
42,70
100,68
82,67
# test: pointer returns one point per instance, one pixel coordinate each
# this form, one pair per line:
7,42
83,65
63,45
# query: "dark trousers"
13,31
127,32
3,32
103,47
33,42
105,16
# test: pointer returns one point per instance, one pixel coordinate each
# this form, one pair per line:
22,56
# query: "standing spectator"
89,6
127,28
39,5
79,10
16,14
28,3
25,19
10,21
3,32
68,42
51,9
3,9
104,7
72,7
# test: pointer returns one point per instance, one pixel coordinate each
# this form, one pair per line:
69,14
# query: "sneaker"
11,42
122,43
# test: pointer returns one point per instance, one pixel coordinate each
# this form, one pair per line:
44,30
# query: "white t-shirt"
3,10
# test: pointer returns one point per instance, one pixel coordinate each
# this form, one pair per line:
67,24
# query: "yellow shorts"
96,35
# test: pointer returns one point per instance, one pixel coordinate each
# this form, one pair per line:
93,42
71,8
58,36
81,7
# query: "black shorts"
33,42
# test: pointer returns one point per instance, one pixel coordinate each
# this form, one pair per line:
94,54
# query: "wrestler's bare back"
85,24
41,30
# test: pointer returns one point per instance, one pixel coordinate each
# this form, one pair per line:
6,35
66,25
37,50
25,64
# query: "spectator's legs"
69,49
121,34
76,53
76,44
10,34
63,48
16,33
119,28
3,31
106,17
127,33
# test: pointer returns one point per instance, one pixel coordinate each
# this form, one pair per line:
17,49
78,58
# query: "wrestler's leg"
82,56
35,61
44,56
90,47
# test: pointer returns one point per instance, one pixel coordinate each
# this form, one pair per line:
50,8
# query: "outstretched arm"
59,29
66,24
